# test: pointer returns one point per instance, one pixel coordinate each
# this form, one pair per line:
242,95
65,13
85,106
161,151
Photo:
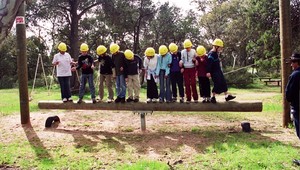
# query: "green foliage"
239,78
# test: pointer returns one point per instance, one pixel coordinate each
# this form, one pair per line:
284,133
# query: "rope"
232,71
51,81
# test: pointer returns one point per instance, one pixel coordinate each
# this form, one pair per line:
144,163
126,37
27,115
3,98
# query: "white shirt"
150,64
63,69
187,58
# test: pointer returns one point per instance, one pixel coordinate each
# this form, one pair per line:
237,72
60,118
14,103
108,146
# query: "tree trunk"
8,11
286,51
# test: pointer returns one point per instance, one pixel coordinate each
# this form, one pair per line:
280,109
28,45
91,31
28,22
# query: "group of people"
171,68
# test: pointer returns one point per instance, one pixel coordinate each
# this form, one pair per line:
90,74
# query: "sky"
184,4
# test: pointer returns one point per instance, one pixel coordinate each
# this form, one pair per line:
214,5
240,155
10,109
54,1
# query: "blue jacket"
163,63
292,89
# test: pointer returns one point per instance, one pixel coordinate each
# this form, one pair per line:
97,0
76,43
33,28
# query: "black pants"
65,90
152,91
177,79
204,86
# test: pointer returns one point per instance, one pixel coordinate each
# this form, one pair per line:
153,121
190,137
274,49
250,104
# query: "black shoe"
229,97
204,101
118,100
213,100
94,100
79,101
161,100
208,100
129,99
296,161
123,100
136,100
181,100
174,99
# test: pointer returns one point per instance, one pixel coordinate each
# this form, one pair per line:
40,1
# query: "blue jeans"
65,90
164,86
121,86
296,120
83,78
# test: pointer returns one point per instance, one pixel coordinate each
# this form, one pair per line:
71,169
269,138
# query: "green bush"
239,78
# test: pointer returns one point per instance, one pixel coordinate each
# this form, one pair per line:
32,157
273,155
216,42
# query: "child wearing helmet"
86,64
204,84
215,72
63,61
106,71
164,61
132,67
150,63
176,76
188,64
118,60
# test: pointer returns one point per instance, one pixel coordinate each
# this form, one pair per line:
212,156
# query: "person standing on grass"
292,90
215,72
106,73
204,84
164,61
63,61
132,67
86,64
118,60
150,63
176,76
188,64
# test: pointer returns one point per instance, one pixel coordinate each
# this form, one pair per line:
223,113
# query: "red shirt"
201,68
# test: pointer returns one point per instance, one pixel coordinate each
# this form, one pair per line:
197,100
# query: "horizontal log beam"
232,106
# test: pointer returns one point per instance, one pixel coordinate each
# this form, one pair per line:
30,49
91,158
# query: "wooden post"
22,64
286,52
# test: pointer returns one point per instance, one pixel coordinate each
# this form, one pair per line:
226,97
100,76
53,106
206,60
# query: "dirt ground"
164,131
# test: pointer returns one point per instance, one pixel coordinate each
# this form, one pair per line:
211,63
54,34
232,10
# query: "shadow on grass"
37,145
163,142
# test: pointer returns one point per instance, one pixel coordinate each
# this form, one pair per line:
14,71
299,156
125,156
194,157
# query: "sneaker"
118,100
204,100
149,100
229,97
195,101
188,102
213,100
154,100
181,100
79,101
64,100
168,101
208,100
129,99
136,100
70,99
94,100
161,100
123,100
109,100
174,99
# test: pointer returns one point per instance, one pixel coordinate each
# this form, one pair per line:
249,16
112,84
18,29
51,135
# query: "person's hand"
182,70
126,79
208,75
121,69
92,67
73,69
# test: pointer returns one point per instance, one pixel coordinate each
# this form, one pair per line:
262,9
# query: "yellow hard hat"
150,52
187,43
200,50
218,42
101,49
173,47
129,54
84,47
62,47
163,50
114,48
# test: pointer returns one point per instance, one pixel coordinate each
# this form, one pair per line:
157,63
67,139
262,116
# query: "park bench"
143,108
276,81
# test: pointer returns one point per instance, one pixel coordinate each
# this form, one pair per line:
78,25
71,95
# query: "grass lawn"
113,140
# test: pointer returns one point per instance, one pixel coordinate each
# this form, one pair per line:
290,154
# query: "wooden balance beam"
232,106
143,108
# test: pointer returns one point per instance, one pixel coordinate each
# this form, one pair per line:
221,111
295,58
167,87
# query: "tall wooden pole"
286,52
22,64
